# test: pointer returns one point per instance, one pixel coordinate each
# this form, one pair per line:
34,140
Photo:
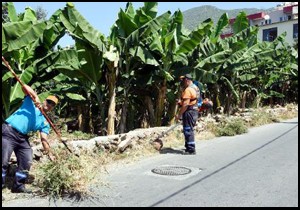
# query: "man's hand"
51,156
47,150
46,147
38,104
45,144
177,118
179,102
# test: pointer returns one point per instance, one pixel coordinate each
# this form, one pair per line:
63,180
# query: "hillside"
193,17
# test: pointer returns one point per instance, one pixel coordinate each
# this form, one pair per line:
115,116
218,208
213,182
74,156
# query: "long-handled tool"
40,108
158,143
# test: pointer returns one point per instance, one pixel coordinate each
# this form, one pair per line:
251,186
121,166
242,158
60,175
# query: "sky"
102,15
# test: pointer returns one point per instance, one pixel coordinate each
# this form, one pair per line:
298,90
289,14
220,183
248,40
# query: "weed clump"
66,174
232,128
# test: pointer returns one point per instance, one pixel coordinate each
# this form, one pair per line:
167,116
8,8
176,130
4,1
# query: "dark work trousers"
12,141
189,119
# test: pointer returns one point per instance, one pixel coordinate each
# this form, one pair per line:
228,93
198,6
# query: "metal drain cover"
171,170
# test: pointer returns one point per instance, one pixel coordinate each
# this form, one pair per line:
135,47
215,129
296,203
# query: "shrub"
231,128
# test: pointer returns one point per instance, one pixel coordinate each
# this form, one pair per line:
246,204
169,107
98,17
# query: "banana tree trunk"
215,92
91,124
80,118
173,108
111,111
112,102
150,108
243,102
85,125
257,101
124,115
90,115
160,103
229,104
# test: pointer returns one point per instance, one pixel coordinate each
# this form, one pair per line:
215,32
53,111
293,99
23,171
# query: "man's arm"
46,146
184,107
28,90
45,143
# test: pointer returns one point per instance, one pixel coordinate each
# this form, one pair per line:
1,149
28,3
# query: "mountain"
193,17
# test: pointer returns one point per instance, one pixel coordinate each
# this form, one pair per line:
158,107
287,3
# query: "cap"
52,98
188,76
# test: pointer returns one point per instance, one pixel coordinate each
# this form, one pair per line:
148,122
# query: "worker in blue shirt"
28,118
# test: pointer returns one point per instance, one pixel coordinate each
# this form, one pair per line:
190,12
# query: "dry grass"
65,175
266,115
290,112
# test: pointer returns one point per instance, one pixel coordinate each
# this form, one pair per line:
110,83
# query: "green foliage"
81,135
240,23
232,128
70,4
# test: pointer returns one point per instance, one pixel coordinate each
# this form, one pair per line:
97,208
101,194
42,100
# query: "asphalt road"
257,169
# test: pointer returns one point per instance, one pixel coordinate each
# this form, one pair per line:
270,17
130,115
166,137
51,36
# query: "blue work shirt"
28,118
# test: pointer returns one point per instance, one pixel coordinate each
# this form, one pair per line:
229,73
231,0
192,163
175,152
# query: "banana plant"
209,56
25,41
220,56
90,45
278,65
259,67
170,47
128,34
208,47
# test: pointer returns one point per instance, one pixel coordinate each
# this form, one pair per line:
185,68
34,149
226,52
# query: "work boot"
21,190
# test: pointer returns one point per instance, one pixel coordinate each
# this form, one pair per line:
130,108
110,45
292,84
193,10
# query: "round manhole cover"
171,170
